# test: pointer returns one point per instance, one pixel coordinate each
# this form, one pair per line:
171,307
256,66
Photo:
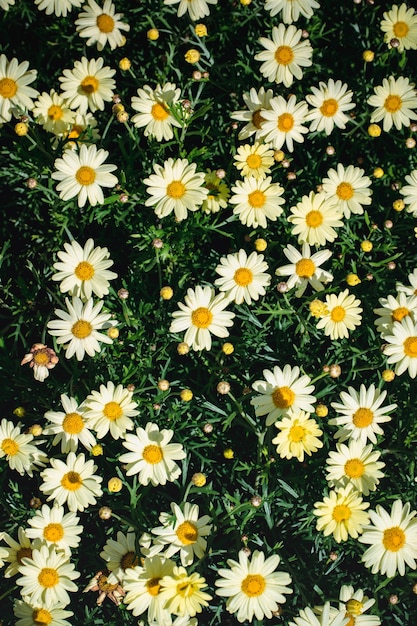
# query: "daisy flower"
47,576
175,186
298,436
142,584
83,174
197,9
202,314
59,7
50,614
16,551
153,106
101,25
218,193
72,481
88,85
291,10
52,112
330,101
325,618
69,427
184,532
254,160
14,90
110,409
395,101
357,464
181,593
256,102
392,537
253,587
257,200
348,189
41,359
411,288
393,310
83,129
305,269
343,313
342,514
55,527
315,219
152,456
282,391
79,326
400,23
410,193
402,348
283,122
21,455
284,55
353,604
243,277
120,555
360,414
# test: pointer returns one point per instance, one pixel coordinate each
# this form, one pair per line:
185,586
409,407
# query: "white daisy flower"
283,122
218,193
305,269
101,25
393,310
243,277
357,464
14,90
53,113
291,10
411,288
142,584
182,593
120,554
59,7
315,218
197,9
110,409
330,101
16,447
395,101
254,160
53,526
298,435
355,604
256,102
16,551
410,193
69,427
348,189
325,618
153,106
343,313
402,348
342,514
50,614
257,200
88,85
400,23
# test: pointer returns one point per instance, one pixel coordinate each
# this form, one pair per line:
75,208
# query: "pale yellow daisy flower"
298,435
342,514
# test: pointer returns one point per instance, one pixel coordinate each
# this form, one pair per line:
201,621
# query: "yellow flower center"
329,107
296,433
153,586
176,189
112,410
41,358
10,447
152,454
284,55
314,219
362,418
354,468
337,314
84,271
398,314
187,589
85,175
75,132
257,199
344,191
393,539
187,533
283,397
285,122
254,161
89,84
8,88
243,277
354,607
71,481
393,104
253,585
72,423
341,512
105,23
81,329
128,560
23,553
53,532
48,577
400,29
41,617
159,112
305,268
201,317
55,112
410,347
257,119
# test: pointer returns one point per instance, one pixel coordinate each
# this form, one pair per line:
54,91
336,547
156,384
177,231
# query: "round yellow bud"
152,34
166,293
228,348
322,410
192,56
35,430
374,130
352,280
21,129
97,450
318,308
122,117
114,484
260,245
116,108
378,172
368,56
125,64
163,384
228,453
279,155
245,3
183,348
19,411
367,245
388,375
186,395
105,512
223,387
398,205
198,479
113,332
200,30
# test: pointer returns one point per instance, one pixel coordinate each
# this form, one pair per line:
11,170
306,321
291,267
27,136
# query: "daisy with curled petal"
256,102
253,588
360,414
182,593
283,122
142,584
284,55
281,391
175,186
395,101
41,359
84,271
243,277
298,435
59,7
392,537
348,188
14,90
69,427
152,456
202,314
101,25
254,160
402,347
326,617
88,85
305,269
400,23
16,551
257,200
41,614
218,193
291,10
330,101
196,8
393,310
357,464
110,409
342,514
315,218
120,554
20,453
410,193
153,106
53,526
83,174
47,576
53,113
72,481
79,327
343,313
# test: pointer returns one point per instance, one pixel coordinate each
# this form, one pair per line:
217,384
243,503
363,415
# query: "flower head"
110,409
395,101
298,435
400,23
315,219
254,160
355,463
402,347
342,514
41,359
52,614
410,193
305,269
59,7
182,592
101,25
14,90
257,200
69,427
53,113
197,9
256,102
218,193
142,584
243,277
283,122
88,85
20,453
52,526
343,313
291,11
153,106
330,101
348,189
120,554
